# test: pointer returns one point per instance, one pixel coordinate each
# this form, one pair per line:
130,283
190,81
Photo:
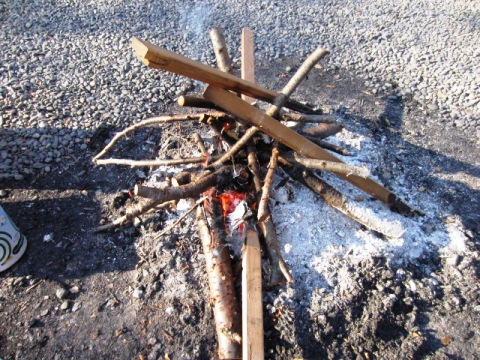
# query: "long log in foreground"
226,309
159,58
300,144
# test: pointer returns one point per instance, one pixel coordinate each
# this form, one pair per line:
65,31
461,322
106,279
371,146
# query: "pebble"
61,293
37,95
138,293
65,305
76,306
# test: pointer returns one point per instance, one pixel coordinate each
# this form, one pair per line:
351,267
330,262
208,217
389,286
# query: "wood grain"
159,58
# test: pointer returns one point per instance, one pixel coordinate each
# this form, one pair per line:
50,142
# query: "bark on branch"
184,191
226,309
157,162
333,166
224,62
328,118
263,212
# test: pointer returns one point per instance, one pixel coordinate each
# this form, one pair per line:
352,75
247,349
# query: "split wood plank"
248,60
252,308
159,58
298,143
252,311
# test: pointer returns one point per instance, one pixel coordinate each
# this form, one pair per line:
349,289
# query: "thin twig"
326,145
157,162
152,121
340,202
133,213
267,184
200,144
301,73
176,222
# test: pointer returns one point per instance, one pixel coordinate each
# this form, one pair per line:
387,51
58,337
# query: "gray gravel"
66,66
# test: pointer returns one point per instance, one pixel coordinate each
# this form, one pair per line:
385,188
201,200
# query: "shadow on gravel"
427,170
58,210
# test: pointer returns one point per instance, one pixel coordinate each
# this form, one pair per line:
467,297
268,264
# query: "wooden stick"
263,212
197,102
220,49
340,202
252,300
332,166
323,131
179,220
279,271
278,102
132,213
157,162
220,278
152,121
298,143
248,60
183,191
296,79
159,58
277,262
326,145
329,118
200,144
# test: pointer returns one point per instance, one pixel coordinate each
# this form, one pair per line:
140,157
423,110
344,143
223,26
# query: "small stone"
138,293
152,341
3,193
74,289
44,312
48,238
61,293
453,260
65,305
76,306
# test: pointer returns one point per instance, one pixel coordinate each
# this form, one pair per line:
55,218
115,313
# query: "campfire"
231,181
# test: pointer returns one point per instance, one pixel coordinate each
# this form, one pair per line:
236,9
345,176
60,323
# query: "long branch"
157,162
151,121
328,118
333,166
278,102
340,202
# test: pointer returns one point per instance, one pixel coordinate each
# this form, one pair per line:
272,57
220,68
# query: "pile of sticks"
238,123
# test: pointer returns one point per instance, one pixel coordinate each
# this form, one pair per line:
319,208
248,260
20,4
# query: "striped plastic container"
12,242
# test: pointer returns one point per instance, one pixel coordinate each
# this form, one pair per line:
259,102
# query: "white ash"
314,237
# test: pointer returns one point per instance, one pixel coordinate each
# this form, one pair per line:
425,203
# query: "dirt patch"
130,295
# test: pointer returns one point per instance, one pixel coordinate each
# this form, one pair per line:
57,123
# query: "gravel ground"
67,68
